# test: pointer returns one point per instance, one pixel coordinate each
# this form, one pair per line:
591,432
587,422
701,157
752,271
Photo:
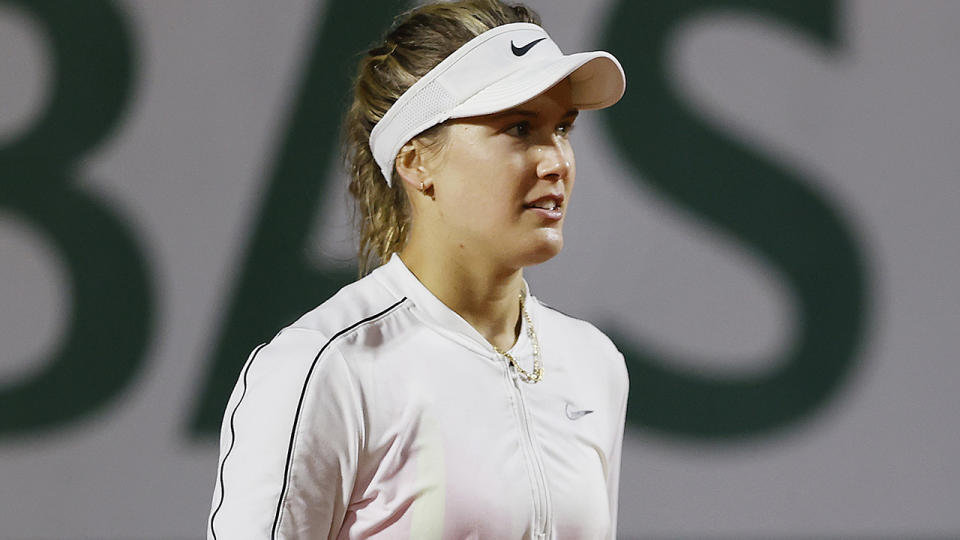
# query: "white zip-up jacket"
382,413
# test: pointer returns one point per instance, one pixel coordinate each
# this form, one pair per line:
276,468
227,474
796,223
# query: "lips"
547,202
549,207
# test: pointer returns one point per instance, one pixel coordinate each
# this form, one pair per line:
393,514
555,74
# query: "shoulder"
361,302
579,334
570,327
312,342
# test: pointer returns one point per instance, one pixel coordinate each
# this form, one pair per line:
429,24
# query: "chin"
545,248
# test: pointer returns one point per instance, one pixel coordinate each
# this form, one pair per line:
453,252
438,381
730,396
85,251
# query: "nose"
554,160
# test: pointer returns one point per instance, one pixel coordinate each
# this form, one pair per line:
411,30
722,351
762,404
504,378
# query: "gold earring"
421,186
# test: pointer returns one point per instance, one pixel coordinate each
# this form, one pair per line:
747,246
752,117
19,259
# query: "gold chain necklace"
537,364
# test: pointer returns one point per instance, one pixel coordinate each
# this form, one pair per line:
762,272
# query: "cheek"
483,185
480,199
495,188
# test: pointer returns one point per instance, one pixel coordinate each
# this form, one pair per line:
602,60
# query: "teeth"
548,205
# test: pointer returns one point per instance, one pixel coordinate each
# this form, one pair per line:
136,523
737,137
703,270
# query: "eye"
520,129
565,129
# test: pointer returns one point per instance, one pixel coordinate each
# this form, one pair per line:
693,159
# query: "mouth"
549,206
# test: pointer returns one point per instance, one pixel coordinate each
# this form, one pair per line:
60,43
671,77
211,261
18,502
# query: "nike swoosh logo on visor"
520,51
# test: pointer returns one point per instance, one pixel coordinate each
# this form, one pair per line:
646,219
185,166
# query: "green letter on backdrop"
109,326
767,206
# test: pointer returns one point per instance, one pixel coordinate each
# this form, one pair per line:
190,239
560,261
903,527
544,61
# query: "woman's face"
501,183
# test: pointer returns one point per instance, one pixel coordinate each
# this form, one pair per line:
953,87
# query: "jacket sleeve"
289,443
613,474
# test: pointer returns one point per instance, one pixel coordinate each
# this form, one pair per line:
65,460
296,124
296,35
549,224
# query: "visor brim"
597,81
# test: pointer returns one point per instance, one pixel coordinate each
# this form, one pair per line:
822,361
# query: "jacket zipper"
541,503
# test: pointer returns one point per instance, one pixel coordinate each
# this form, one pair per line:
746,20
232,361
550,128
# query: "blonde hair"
419,40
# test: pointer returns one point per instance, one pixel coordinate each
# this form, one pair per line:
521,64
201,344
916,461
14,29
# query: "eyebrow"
572,113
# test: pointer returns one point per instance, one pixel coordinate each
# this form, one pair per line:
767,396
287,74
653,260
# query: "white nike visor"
501,68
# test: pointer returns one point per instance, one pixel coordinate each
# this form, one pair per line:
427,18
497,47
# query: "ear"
410,165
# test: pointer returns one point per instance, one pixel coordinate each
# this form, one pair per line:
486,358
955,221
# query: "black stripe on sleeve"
303,393
233,437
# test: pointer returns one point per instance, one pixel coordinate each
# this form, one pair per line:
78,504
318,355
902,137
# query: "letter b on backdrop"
111,301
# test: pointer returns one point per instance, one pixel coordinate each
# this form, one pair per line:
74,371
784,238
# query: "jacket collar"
400,281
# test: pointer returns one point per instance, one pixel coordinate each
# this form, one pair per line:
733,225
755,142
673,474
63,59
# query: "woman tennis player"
437,397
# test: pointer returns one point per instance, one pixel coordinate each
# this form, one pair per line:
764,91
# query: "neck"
487,297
